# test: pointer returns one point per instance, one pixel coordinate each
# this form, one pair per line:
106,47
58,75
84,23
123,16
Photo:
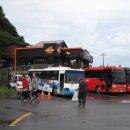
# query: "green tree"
8,32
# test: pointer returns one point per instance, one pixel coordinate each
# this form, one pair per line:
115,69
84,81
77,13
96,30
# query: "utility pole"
103,55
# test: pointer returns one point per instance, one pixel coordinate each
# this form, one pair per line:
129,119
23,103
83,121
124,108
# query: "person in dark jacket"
82,93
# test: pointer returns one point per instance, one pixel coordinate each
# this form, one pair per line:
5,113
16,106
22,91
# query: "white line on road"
125,101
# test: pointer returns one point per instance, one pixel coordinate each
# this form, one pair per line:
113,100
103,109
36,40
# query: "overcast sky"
96,25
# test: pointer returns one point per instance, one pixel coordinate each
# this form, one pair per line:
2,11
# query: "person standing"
82,92
25,85
34,88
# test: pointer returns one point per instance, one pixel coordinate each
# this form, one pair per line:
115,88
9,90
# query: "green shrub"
5,90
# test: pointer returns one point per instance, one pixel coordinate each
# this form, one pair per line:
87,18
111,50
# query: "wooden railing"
40,66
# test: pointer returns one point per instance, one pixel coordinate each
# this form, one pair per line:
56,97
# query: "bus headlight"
114,86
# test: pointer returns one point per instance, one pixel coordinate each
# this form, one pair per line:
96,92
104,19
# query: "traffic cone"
49,95
42,95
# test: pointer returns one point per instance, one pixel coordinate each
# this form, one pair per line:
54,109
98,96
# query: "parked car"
14,80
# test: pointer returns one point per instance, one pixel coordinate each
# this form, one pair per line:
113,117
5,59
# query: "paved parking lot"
101,112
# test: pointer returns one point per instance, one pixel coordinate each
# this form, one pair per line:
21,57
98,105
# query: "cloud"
99,26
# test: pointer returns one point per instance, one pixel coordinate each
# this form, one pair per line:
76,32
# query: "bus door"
128,82
61,83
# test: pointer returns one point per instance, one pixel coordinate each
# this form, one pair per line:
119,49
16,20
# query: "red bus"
104,79
127,72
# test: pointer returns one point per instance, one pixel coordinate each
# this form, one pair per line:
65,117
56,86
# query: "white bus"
58,80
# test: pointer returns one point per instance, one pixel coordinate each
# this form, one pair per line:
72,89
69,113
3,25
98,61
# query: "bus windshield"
118,77
73,76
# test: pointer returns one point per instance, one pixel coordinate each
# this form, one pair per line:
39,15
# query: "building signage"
49,50
52,49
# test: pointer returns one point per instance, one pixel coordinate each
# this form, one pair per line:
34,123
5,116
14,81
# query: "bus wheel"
98,89
54,91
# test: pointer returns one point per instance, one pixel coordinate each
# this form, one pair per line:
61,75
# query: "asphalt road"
101,113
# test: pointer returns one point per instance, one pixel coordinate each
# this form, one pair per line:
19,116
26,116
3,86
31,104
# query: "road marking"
19,119
125,101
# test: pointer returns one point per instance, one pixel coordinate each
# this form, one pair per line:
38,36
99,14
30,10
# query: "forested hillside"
8,32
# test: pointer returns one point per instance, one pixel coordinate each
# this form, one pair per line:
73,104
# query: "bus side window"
69,79
74,80
66,78
77,79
